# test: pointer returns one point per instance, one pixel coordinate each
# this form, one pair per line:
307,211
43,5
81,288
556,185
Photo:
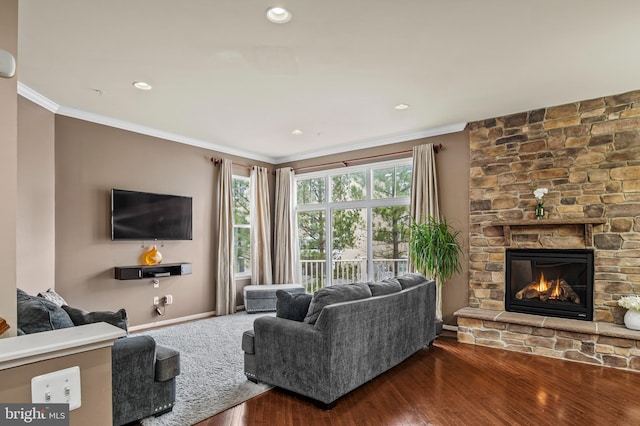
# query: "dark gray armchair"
143,373
143,378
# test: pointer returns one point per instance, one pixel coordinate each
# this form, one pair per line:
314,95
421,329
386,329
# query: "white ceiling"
225,78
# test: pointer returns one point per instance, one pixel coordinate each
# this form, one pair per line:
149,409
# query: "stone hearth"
599,343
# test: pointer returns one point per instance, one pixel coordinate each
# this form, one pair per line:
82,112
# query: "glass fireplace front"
551,282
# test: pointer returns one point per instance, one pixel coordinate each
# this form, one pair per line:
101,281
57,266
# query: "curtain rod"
345,163
215,160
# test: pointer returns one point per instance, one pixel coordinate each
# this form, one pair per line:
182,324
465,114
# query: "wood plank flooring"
459,384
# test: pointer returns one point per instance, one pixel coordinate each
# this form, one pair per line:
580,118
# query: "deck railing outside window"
314,276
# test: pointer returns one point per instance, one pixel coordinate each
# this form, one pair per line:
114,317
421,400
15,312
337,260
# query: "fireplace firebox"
550,282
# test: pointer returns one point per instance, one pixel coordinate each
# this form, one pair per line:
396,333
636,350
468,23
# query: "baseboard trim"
450,327
172,321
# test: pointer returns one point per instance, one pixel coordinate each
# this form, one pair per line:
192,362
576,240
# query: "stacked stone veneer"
598,343
587,154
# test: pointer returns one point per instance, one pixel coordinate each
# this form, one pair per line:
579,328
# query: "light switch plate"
58,387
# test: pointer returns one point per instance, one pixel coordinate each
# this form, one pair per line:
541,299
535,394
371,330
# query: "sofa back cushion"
381,288
410,280
81,317
36,314
335,294
292,306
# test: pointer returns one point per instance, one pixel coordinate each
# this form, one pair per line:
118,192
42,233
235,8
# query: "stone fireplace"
550,282
587,154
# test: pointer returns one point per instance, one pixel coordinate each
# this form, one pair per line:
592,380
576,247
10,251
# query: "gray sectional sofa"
350,334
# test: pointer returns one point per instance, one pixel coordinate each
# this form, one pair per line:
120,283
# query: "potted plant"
435,252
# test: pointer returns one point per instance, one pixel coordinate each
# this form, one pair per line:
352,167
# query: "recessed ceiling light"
278,15
401,106
141,85
296,132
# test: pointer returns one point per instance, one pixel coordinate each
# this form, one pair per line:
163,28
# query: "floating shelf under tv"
138,272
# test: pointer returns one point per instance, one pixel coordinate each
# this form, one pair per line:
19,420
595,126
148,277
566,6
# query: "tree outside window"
241,225
391,224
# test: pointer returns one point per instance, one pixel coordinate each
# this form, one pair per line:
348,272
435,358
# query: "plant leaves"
434,249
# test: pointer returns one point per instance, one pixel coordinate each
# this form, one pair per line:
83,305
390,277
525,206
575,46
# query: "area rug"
211,364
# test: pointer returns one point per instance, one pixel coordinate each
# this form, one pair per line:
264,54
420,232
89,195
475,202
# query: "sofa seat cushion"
335,294
36,314
82,317
292,306
167,363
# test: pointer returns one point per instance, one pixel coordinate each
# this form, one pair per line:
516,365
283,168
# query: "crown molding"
149,131
28,93
373,143
46,103
35,97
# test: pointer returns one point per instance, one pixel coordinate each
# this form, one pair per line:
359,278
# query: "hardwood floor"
459,384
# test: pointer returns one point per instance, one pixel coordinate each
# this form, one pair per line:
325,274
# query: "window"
242,225
353,223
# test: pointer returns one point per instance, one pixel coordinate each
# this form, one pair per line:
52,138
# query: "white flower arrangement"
630,302
539,193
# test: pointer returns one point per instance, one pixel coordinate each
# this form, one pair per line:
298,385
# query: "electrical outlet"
156,300
156,283
59,387
168,299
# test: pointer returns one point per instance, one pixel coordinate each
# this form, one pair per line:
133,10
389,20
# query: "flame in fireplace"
556,290
542,285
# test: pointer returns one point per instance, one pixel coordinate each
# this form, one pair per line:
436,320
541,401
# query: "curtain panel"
286,257
424,196
225,282
424,186
260,227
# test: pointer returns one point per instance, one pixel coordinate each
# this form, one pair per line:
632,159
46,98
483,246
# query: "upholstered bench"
262,298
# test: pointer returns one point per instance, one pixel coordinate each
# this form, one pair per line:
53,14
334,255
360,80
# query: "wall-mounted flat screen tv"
143,216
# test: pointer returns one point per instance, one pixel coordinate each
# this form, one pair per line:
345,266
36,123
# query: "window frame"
247,272
368,203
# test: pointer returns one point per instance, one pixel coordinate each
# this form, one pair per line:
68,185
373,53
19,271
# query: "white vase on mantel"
632,319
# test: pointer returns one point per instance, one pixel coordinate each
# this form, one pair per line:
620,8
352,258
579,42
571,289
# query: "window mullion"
370,271
369,197
328,225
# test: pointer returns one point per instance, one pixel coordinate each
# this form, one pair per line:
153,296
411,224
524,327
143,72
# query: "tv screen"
146,216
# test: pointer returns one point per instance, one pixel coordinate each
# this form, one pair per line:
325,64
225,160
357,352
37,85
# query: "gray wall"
91,159
8,167
36,198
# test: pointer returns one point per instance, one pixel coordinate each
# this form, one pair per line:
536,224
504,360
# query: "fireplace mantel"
587,222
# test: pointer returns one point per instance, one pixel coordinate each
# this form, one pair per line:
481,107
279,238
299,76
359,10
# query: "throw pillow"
36,314
54,297
81,317
335,294
384,287
292,306
411,280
